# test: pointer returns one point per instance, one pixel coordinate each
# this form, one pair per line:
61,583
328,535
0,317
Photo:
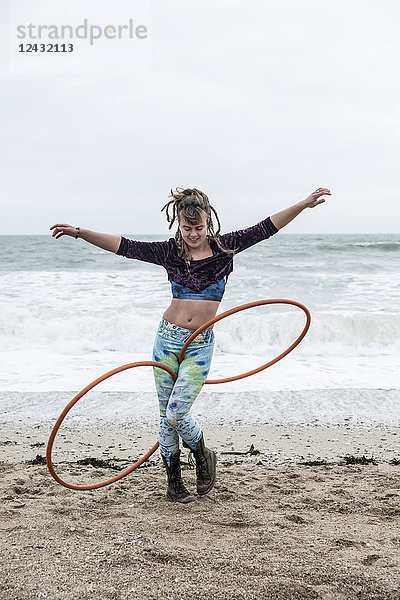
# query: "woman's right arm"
105,241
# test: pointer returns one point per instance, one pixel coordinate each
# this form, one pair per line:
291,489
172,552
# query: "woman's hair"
193,206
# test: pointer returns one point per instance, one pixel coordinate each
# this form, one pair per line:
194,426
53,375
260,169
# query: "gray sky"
255,102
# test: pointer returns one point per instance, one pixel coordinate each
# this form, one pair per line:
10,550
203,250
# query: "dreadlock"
193,205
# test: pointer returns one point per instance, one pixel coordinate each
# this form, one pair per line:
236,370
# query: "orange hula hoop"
146,456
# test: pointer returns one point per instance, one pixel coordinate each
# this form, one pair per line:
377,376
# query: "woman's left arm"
284,217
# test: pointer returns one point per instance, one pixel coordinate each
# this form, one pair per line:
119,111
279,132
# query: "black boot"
206,463
176,490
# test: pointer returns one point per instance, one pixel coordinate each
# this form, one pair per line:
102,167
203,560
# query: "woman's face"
194,235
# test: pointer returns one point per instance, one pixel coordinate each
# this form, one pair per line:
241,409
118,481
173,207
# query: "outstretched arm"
105,241
284,217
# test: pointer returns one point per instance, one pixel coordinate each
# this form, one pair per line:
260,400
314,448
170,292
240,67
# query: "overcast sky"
255,102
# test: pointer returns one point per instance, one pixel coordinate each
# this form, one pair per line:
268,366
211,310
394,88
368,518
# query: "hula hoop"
49,462
244,307
173,375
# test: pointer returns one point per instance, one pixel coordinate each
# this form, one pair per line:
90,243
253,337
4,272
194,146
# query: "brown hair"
193,205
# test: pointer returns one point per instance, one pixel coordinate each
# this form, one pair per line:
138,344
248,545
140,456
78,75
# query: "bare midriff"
191,314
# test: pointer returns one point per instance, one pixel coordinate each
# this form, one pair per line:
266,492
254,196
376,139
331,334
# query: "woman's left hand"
315,198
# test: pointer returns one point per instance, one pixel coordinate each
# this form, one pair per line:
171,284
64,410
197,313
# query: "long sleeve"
245,238
152,252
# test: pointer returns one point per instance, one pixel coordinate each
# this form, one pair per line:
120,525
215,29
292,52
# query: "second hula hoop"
173,375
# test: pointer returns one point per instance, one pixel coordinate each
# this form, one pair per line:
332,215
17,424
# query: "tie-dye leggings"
176,398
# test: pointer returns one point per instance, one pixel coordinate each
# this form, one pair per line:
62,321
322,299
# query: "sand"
271,528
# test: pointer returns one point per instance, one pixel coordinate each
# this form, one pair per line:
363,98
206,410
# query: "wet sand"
293,521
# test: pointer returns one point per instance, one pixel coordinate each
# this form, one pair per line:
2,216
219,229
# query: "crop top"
202,279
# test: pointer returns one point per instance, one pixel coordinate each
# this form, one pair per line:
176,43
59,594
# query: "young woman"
198,262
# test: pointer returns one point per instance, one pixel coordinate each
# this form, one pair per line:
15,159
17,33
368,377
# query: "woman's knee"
181,400
174,413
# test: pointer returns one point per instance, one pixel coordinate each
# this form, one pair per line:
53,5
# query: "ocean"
71,311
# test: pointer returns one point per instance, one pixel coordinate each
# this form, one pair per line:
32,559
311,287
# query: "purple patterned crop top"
203,279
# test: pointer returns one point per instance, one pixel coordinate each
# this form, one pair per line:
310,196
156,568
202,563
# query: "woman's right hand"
63,229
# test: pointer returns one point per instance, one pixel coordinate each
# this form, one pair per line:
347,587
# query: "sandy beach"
297,520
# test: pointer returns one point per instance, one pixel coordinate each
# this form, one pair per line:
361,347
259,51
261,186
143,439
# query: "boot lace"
201,467
179,487
191,463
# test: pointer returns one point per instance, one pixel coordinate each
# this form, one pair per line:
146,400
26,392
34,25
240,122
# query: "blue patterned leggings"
176,398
